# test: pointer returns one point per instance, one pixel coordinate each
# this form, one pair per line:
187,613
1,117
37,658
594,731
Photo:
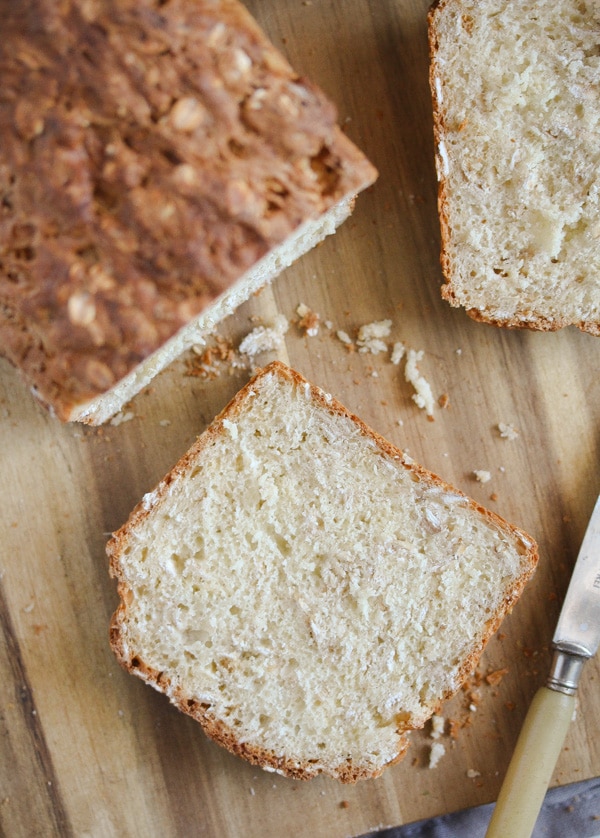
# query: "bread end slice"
516,122
144,200
303,589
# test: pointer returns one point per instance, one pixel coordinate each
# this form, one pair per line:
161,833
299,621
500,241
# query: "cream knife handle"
532,765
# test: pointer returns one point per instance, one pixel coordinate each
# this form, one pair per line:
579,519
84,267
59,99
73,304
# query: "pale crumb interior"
310,589
518,84
307,236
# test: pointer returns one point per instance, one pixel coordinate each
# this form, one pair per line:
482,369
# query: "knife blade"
576,639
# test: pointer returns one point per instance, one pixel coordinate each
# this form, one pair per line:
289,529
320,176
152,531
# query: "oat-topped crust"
150,154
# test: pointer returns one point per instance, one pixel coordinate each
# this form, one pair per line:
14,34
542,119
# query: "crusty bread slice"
159,164
303,590
517,128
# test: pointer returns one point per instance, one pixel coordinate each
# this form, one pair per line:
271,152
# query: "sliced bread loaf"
303,590
516,101
159,163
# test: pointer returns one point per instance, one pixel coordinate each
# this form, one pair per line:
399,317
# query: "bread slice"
305,591
517,127
159,164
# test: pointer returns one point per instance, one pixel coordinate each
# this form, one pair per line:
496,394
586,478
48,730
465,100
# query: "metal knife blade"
578,627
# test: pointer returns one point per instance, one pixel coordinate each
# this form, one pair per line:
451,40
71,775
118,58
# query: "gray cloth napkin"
571,811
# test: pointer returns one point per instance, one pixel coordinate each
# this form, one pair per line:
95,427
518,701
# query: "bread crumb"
454,727
494,678
398,352
208,361
264,338
376,329
423,397
370,336
472,773
309,320
482,476
344,337
507,431
438,724
444,401
436,753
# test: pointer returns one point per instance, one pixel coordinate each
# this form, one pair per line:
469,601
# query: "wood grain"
85,749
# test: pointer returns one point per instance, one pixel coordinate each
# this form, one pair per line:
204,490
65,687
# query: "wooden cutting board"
87,750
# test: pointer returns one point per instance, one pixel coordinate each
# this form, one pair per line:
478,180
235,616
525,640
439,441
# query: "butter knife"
575,640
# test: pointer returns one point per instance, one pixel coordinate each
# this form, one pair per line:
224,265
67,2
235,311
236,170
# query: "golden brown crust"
226,737
215,728
149,156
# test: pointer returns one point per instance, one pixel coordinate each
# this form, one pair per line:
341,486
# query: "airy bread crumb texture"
515,89
304,592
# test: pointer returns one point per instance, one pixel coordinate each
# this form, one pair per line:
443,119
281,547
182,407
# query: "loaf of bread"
515,89
159,163
305,591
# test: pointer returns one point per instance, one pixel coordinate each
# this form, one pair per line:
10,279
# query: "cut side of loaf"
305,591
159,164
517,130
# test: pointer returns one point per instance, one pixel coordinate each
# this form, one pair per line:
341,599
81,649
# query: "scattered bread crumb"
370,336
472,773
398,352
438,724
436,753
507,431
344,337
209,361
309,320
423,397
482,476
494,678
265,338
444,401
455,726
